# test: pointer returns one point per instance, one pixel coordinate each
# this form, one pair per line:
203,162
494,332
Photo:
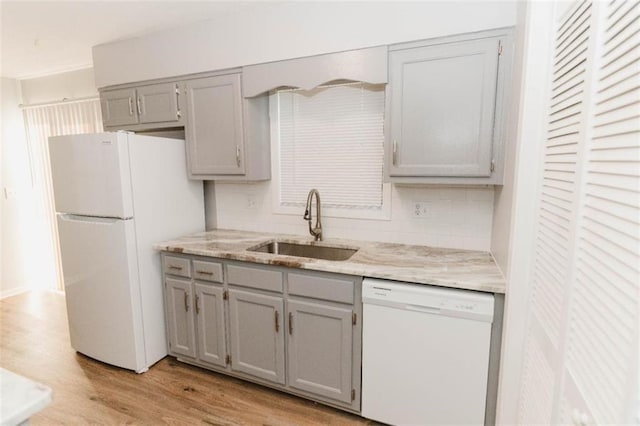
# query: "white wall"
273,31
460,217
503,201
54,88
17,217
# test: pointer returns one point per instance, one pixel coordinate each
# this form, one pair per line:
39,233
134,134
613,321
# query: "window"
330,138
41,122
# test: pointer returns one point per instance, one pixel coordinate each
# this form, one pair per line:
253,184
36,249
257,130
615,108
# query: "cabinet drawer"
208,271
327,288
263,279
178,266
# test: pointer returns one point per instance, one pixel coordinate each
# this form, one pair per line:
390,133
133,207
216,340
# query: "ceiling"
47,37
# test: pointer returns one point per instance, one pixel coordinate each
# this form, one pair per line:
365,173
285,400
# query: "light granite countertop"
465,269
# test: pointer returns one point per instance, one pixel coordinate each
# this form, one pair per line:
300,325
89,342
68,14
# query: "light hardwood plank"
34,342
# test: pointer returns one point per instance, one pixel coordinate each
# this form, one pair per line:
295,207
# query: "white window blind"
331,138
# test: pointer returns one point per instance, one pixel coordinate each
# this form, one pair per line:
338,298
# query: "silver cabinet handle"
395,152
186,303
177,268
130,106
138,103
178,113
290,323
197,304
238,155
204,272
277,321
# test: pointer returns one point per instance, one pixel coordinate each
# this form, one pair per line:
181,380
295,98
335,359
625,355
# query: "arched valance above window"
363,65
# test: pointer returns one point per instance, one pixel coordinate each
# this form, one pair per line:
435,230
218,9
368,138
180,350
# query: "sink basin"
305,250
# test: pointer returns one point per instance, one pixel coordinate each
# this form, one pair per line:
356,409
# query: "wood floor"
34,342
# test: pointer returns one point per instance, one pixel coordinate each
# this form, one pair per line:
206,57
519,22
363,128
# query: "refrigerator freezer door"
102,289
91,174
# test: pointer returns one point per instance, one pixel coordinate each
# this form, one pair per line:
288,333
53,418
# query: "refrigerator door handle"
75,218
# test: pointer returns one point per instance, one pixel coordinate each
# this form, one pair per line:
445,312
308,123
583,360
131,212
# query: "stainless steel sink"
305,250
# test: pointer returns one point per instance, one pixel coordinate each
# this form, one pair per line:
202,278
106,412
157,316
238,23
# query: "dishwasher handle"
431,310
418,308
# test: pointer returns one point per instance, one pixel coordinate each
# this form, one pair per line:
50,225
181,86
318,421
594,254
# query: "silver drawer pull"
395,152
130,106
197,304
186,302
176,268
238,155
204,272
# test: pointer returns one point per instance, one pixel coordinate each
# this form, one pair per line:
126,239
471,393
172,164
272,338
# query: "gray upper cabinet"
256,335
180,323
119,107
227,135
214,130
141,107
443,110
158,103
209,307
320,349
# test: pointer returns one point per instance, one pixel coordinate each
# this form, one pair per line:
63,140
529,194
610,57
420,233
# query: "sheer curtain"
41,122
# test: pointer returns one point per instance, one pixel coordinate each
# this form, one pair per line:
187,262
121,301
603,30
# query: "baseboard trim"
13,292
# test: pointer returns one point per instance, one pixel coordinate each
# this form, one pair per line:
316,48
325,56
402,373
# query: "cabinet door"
158,103
320,349
442,109
214,126
119,107
256,335
182,339
210,318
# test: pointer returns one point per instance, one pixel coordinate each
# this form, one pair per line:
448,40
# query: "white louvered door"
556,220
601,359
581,355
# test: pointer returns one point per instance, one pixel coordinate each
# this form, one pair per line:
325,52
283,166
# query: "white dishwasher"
425,353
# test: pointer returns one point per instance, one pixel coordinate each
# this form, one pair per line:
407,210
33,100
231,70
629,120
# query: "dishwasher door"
425,354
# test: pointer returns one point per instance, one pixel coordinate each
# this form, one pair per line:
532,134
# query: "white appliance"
425,354
116,194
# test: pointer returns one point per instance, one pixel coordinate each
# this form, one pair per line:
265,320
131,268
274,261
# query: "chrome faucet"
315,231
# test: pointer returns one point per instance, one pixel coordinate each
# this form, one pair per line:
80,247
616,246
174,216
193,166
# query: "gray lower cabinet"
180,322
209,307
256,335
195,309
297,331
320,349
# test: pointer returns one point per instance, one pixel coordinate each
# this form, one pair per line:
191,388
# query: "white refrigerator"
116,194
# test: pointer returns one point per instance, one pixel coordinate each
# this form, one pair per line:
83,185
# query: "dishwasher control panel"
428,298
